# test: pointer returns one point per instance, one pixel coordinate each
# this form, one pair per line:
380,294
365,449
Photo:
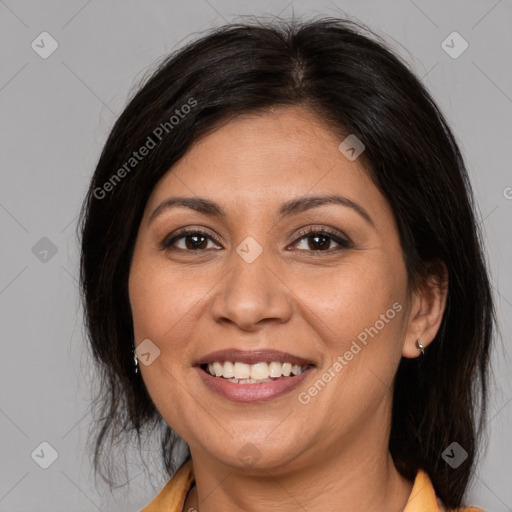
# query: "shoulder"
466,509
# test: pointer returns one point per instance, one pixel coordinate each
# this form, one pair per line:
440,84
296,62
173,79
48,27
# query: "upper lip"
252,357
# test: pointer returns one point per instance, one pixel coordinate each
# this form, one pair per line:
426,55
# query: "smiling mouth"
258,373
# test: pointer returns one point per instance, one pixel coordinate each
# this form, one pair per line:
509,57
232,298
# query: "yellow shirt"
172,497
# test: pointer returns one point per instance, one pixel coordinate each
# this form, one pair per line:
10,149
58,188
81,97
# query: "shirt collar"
423,497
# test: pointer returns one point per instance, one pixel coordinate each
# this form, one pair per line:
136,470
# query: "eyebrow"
292,207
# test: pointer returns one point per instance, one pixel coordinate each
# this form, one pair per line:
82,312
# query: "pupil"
195,244
320,245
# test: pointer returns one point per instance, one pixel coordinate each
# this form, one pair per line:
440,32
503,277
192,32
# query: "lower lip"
252,392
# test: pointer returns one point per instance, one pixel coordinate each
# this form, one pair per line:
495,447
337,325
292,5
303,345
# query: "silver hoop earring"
420,347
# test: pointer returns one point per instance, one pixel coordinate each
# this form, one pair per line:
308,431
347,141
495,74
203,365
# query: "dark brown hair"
348,77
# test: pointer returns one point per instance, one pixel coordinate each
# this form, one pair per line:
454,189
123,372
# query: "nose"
251,295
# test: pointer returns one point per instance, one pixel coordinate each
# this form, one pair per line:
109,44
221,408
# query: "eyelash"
344,243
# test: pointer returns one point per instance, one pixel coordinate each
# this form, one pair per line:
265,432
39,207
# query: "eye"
312,240
319,240
189,240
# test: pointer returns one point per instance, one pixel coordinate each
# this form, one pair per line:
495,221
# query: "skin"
332,453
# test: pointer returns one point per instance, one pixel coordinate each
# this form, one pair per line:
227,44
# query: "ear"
428,303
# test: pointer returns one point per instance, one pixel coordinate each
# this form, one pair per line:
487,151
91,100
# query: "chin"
255,455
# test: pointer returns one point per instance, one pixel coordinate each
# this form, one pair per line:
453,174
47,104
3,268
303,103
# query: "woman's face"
322,281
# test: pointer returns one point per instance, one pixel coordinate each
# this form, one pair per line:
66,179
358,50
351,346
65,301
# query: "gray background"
56,114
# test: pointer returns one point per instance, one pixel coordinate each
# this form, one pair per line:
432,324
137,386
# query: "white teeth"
259,371
251,373
229,370
248,381
296,370
217,368
287,369
242,370
275,369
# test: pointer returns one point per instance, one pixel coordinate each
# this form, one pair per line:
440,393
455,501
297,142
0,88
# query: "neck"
359,476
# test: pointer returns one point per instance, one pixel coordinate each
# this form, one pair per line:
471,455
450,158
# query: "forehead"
265,159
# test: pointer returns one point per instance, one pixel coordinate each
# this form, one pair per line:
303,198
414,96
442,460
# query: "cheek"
359,316
354,298
359,313
162,299
161,312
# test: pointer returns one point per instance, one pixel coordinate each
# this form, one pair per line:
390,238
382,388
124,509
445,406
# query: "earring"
420,347
136,360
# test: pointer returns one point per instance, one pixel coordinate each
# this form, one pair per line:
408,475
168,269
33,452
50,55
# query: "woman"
281,267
